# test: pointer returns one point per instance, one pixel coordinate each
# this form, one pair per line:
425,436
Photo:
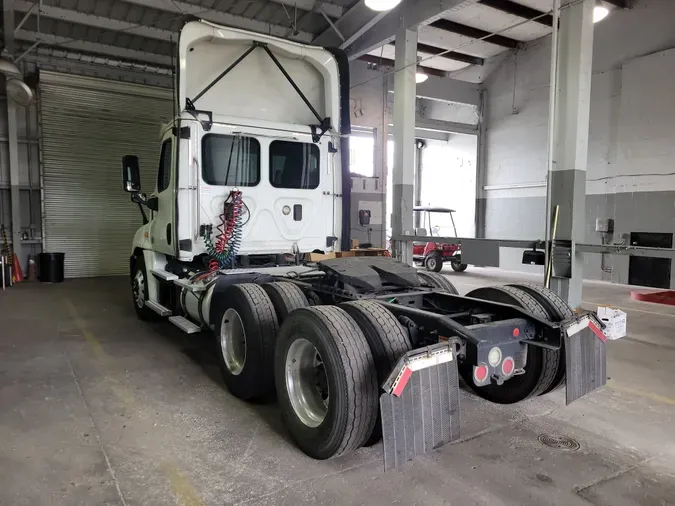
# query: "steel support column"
481,168
13,140
570,145
419,150
404,139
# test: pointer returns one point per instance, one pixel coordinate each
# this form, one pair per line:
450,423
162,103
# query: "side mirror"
131,174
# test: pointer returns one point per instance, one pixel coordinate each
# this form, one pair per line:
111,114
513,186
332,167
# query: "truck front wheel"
139,289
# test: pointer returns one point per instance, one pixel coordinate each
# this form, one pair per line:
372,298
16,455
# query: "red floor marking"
666,297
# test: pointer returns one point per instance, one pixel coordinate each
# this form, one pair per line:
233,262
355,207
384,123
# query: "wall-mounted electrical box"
604,225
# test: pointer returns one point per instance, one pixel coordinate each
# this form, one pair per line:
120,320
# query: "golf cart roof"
429,209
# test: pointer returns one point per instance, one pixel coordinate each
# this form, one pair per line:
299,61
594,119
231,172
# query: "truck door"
162,227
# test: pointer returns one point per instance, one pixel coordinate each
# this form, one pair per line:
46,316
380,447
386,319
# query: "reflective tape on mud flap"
585,356
420,406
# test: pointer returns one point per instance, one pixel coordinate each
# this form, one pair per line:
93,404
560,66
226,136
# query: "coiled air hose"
229,233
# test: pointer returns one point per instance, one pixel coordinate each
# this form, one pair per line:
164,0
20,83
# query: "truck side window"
294,165
229,160
164,173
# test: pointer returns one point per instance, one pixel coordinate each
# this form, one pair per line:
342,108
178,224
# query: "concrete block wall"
632,128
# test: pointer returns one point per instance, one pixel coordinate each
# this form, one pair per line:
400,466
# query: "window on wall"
164,173
361,160
294,165
229,160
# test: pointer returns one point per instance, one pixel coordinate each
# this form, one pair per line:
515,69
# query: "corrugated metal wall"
87,126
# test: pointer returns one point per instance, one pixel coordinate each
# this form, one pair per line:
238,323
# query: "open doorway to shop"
448,179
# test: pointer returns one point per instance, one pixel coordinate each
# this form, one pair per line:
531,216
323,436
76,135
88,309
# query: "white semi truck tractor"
253,177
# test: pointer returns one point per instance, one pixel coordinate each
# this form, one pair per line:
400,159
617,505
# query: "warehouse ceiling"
138,35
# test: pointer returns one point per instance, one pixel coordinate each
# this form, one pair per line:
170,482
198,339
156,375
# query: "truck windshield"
229,160
294,165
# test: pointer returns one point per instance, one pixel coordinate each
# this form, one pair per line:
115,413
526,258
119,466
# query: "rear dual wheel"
326,381
542,364
329,362
246,326
557,310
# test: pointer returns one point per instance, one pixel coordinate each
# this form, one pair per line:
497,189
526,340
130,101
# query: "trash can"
51,267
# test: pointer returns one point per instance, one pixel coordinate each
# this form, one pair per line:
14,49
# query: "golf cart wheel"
558,310
435,280
286,297
139,290
326,381
247,328
542,363
433,262
388,342
457,267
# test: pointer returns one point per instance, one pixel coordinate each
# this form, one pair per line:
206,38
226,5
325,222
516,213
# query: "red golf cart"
433,254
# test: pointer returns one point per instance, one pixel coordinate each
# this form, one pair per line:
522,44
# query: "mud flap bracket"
420,406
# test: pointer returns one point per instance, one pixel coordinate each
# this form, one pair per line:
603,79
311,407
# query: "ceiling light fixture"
8,68
600,11
420,77
382,5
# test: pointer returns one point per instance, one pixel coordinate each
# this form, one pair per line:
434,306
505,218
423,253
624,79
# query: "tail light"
480,374
508,366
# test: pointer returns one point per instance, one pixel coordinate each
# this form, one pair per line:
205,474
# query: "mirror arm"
139,199
145,216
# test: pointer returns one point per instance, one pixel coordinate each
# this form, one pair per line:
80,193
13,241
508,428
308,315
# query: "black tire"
542,364
142,311
436,280
350,375
558,310
458,267
433,262
388,342
255,376
286,298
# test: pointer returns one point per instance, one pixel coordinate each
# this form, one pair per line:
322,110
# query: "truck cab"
255,115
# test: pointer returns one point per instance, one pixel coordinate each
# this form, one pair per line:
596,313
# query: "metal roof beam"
222,18
386,62
332,10
621,4
449,55
406,15
95,48
522,11
96,21
475,33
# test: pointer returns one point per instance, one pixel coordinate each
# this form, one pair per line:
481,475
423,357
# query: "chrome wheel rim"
138,287
307,382
431,263
233,342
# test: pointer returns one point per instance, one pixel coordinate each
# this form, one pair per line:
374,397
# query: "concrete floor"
97,408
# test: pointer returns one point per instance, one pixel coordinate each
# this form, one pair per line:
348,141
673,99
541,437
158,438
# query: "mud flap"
420,409
585,356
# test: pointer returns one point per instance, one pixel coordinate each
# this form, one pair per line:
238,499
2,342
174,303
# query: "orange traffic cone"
17,274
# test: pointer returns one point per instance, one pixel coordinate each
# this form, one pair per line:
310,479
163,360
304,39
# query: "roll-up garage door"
87,126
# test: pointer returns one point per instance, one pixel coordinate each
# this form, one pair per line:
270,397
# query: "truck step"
184,324
158,308
162,274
